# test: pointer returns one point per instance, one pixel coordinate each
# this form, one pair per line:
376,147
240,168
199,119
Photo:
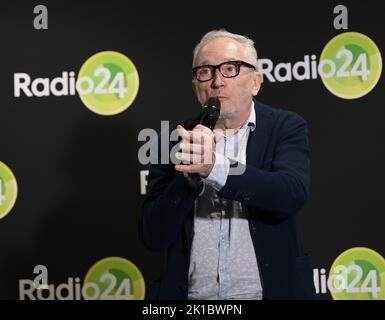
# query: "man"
233,235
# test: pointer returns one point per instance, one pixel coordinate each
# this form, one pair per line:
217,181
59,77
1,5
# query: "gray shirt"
223,264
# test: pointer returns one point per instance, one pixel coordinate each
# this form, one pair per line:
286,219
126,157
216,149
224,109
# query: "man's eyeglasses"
228,69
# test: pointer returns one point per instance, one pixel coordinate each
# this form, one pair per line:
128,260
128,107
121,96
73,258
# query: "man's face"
235,93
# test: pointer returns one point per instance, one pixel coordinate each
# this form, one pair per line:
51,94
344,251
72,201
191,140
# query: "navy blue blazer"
274,187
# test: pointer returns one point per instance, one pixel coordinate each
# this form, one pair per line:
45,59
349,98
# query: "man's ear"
193,85
257,80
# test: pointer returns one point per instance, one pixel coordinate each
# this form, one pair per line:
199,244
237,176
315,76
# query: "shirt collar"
251,120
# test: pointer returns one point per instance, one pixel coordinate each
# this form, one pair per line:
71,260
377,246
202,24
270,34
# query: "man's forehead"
220,49
221,45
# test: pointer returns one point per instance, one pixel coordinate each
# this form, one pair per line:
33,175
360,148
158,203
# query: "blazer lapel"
258,138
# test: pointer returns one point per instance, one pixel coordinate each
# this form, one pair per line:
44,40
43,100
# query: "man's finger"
200,127
183,133
189,158
218,135
191,148
192,168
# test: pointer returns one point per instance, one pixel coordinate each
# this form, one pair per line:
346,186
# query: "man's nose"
217,80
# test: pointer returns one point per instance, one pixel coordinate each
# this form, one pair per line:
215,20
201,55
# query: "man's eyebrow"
205,62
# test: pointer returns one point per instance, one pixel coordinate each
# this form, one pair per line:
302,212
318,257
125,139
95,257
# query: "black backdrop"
78,172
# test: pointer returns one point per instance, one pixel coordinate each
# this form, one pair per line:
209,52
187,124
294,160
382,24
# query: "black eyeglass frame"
237,63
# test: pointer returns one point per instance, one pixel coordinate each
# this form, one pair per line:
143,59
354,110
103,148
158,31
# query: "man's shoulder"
275,114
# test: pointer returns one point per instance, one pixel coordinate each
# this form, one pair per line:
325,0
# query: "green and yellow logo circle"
8,190
358,274
108,83
350,65
114,278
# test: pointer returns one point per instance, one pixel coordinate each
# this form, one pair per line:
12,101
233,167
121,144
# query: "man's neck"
233,123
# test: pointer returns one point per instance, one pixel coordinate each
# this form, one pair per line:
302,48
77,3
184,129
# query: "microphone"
210,113
209,117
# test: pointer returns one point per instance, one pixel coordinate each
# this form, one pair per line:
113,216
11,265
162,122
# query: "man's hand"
197,150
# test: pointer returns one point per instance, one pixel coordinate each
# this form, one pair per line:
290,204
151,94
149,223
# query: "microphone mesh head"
210,113
213,102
